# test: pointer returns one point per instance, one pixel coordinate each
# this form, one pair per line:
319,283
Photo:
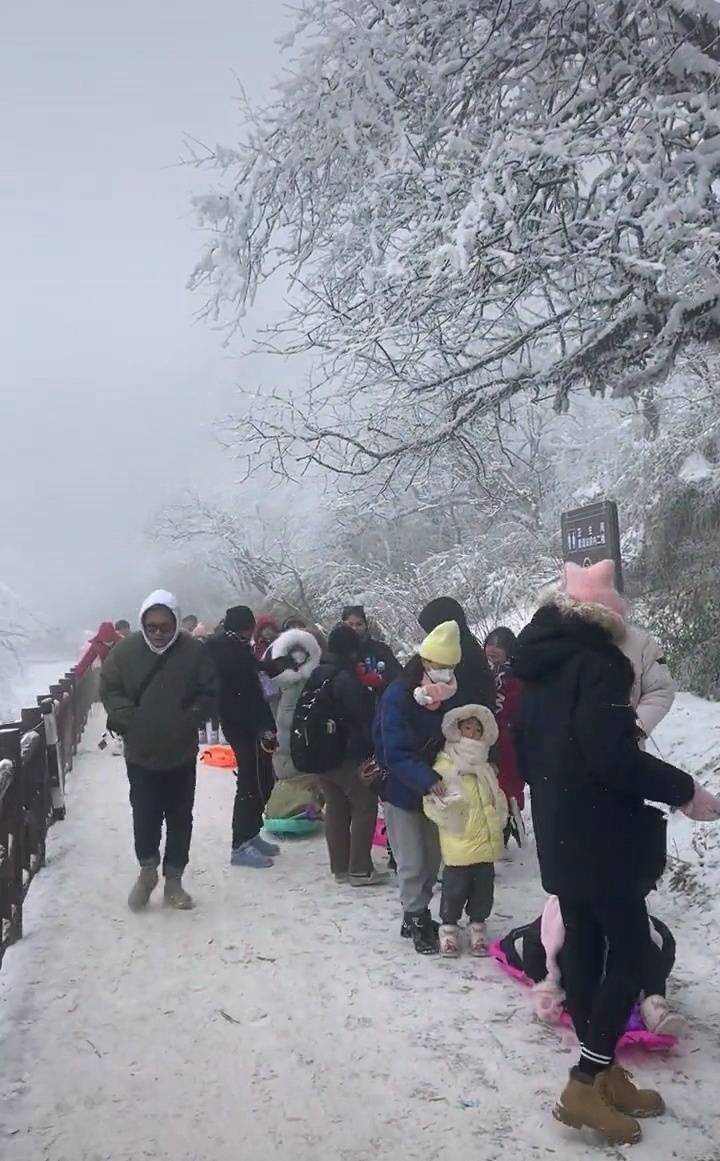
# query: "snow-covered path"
285,1020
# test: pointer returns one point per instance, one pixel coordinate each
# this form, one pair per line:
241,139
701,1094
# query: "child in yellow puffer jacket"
471,817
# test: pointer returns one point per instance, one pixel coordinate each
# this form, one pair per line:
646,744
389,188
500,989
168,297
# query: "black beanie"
344,641
439,611
239,619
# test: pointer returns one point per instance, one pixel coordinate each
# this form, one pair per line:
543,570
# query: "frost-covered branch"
471,199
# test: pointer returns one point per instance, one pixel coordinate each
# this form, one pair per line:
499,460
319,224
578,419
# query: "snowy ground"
284,1019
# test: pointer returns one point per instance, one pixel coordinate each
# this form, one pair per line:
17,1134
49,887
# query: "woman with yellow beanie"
408,737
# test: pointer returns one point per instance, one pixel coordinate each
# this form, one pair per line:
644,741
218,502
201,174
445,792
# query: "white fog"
111,387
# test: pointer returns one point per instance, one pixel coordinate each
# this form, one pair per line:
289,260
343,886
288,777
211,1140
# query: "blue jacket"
407,739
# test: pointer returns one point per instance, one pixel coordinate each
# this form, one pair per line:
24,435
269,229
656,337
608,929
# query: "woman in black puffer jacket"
601,847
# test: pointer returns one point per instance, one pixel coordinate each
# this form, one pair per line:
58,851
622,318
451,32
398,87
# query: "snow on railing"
36,754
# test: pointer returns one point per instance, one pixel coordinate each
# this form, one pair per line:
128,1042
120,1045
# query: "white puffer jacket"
653,692
288,686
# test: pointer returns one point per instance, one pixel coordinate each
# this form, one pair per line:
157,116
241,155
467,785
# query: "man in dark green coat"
159,687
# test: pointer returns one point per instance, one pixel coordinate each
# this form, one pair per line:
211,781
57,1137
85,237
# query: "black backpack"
319,736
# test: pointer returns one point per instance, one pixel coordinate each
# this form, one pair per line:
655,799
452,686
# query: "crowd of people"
445,746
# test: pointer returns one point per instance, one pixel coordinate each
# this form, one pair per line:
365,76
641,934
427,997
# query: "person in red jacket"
266,631
499,649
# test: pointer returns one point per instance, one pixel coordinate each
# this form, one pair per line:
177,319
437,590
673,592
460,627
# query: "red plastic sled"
222,756
632,1038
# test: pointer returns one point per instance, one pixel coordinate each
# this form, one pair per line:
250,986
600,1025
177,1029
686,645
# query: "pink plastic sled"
380,836
636,1036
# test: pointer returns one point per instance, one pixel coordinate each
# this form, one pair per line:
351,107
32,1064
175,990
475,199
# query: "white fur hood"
285,644
452,719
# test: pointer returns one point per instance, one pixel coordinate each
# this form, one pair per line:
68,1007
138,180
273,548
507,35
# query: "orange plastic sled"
219,756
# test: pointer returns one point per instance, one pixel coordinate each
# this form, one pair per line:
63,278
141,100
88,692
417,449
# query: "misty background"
114,476
111,386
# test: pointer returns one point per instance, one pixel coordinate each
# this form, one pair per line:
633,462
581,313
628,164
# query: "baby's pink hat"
594,585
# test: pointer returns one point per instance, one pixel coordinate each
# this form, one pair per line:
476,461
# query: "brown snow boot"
145,884
175,894
635,1102
585,1103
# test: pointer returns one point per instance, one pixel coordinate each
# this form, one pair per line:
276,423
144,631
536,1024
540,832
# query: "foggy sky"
110,386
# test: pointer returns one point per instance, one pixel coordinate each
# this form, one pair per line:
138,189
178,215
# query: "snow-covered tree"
472,199
16,623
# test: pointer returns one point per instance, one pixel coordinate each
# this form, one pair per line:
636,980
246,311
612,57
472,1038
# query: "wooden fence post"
12,838
56,774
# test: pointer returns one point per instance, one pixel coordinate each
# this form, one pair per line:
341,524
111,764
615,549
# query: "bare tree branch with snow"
472,199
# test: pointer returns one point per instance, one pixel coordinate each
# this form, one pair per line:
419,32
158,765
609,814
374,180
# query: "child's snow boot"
449,940
585,1103
145,884
406,930
625,1096
249,856
478,939
657,1017
175,894
270,850
424,933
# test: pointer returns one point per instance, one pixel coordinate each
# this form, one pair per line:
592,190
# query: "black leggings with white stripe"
604,959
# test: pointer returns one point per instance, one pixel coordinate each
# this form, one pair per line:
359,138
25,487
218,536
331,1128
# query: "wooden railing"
36,754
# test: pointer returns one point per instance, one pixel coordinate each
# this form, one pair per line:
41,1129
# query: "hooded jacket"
160,728
287,687
653,690
578,750
479,805
476,684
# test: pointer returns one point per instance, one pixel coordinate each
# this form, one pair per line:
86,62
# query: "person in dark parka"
248,724
601,848
350,805
158,686
476,684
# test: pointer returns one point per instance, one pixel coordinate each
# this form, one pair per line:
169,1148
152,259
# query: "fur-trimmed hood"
451,723
284,645
613,624
560,630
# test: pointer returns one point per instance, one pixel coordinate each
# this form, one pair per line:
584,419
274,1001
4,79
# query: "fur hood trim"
283,645
452,719
611,622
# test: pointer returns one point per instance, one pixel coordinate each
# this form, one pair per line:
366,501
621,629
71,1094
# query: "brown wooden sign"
592,534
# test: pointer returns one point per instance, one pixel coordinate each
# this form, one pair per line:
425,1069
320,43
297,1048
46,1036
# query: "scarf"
431,694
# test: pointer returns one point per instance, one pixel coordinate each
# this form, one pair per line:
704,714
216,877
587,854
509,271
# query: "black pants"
255,783
158,796
472,887
605,957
